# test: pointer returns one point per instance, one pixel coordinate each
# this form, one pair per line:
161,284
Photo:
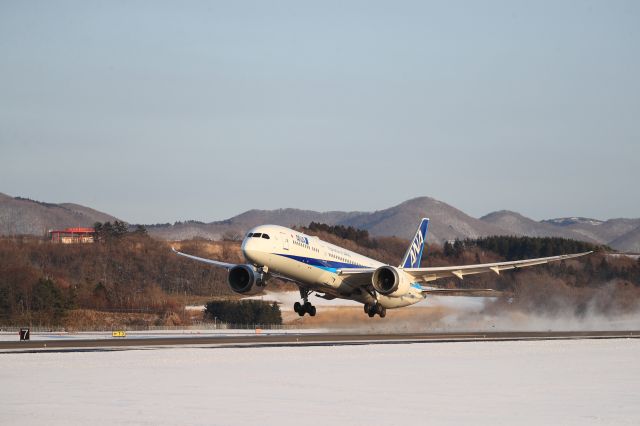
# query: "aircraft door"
285,241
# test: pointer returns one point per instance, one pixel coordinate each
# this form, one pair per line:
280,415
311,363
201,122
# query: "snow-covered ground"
545,382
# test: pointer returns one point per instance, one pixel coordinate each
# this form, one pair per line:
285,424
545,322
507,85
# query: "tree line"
131,272
35,300
244,312
110,231
40,281
515,248
359,236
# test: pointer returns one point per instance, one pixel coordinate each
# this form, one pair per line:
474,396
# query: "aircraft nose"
248,248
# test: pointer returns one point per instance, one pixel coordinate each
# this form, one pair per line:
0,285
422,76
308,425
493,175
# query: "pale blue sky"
161,111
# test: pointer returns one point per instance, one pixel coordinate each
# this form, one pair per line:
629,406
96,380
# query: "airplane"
331,272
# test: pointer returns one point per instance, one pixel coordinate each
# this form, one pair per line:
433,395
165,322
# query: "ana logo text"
415,247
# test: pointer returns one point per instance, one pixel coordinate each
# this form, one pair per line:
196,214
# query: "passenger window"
257,235
265,236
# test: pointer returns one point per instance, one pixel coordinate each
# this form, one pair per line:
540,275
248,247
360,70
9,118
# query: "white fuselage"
313,263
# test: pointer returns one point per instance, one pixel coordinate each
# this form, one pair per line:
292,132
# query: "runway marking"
293,340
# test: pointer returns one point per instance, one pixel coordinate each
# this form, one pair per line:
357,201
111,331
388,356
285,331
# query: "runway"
303,339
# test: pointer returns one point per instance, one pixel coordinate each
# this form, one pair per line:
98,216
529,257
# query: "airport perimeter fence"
201,326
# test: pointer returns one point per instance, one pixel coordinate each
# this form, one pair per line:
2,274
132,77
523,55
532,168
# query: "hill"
518,224
238,225
446,222
22,216
628,242
617,233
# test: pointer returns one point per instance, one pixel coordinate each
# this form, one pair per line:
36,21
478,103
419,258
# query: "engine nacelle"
390,281
242,278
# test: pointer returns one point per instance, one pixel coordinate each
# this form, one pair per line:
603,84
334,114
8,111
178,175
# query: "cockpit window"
265,236
257,235
250,234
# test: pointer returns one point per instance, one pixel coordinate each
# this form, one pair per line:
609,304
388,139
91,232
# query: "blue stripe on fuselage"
327,265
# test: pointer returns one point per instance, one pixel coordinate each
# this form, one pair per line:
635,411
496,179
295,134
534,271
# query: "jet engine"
390,281
242,278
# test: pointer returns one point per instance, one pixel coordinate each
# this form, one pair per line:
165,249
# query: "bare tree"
232,235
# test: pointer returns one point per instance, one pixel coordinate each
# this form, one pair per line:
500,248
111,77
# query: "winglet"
413,256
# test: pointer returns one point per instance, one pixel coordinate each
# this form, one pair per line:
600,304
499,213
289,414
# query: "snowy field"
531,383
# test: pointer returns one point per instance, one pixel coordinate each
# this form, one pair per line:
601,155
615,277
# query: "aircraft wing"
434,273
224,265
437,272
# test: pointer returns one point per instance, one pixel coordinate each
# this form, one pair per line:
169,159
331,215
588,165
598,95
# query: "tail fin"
413,256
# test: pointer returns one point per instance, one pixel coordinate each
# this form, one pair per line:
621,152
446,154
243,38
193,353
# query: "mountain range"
24,216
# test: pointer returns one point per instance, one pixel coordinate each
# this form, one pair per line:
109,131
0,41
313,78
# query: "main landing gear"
372,309
306,307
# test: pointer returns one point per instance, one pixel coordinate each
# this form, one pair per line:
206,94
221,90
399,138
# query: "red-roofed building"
72,235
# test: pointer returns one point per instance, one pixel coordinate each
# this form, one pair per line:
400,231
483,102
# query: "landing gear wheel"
371,310
305,307
309,308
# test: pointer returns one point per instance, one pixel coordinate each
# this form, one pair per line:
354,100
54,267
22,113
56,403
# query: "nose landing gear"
306,307
372,309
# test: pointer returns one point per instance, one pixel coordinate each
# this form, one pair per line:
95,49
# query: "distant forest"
128,271
513,248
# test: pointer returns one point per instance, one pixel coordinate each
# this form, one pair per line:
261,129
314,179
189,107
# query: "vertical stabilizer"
413,256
